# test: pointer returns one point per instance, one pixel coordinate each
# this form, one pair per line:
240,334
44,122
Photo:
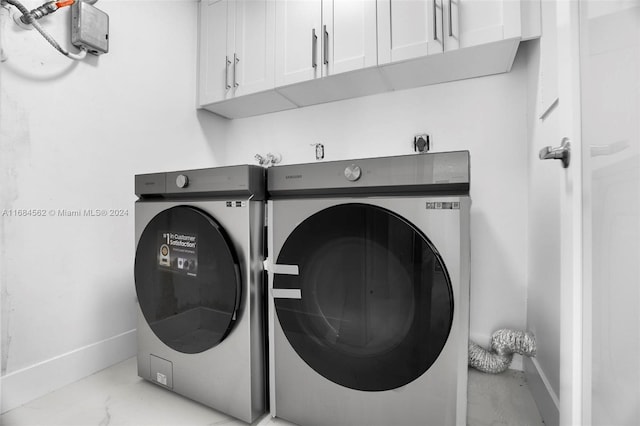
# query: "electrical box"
89,28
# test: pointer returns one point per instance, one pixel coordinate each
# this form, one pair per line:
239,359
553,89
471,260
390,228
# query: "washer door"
187,279
376,304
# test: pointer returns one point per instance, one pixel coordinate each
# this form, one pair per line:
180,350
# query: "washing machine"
369,290
200,286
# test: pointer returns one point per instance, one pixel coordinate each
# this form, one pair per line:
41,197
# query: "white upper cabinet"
318,38
254,46
236,48
298,38
214,60
409,29
470,23
349,31
259,56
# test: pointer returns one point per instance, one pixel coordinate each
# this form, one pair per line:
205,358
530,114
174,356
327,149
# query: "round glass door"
376,303
187,279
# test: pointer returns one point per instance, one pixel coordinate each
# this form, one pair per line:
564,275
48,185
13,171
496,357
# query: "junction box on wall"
89,28
89,25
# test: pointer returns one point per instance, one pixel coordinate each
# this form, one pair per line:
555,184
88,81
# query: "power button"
182,181
352,173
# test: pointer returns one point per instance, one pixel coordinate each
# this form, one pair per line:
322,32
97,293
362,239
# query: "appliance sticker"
178,252
443,205
236,203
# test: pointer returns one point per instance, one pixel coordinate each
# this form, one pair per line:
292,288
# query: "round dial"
182,181
352,173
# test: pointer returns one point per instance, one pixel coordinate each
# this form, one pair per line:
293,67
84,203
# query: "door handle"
326,46
450,20
435,21
226,73
314,46
562,152
442,19
235,70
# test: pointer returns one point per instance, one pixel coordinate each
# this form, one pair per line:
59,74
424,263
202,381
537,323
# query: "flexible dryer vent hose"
504,343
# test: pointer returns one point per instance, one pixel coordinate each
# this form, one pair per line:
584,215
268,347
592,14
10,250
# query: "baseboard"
545,397
27,384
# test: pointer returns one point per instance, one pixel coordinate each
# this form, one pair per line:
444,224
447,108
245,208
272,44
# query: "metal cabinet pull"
235,70
442,18
435,22
226,73
450,21
314,47
562,152
326,46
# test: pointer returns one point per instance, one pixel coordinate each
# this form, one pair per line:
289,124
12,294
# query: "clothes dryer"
199,283
369,290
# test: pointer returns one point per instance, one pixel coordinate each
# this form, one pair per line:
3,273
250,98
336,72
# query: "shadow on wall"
215,131
506,296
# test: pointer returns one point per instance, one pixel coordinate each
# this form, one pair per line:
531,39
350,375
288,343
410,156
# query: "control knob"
182,181
352,173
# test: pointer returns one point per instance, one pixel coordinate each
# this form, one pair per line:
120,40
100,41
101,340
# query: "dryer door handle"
281,269
286,293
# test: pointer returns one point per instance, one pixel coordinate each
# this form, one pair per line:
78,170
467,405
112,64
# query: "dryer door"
375,302
187,279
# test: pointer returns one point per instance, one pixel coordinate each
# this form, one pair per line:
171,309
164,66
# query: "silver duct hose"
504,343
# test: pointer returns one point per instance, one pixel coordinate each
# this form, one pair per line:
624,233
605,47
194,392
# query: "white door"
554,285
215,66
472,22
610,72
409,29
298,41
592,231
254,46
350,39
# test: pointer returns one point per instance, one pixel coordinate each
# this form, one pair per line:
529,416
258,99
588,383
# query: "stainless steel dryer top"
218,181
435,173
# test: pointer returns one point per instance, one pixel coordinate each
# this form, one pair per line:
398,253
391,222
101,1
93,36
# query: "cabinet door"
349,42
298,40
409,29
472,22
214,68
254,46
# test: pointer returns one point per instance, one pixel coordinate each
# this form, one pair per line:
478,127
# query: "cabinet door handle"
326,46
235,70
450,21
226,73
435,22
442,18
314,47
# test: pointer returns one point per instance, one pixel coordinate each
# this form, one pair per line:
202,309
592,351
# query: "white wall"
73,134
486,116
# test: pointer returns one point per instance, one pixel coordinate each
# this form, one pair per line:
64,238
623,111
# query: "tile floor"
116,396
